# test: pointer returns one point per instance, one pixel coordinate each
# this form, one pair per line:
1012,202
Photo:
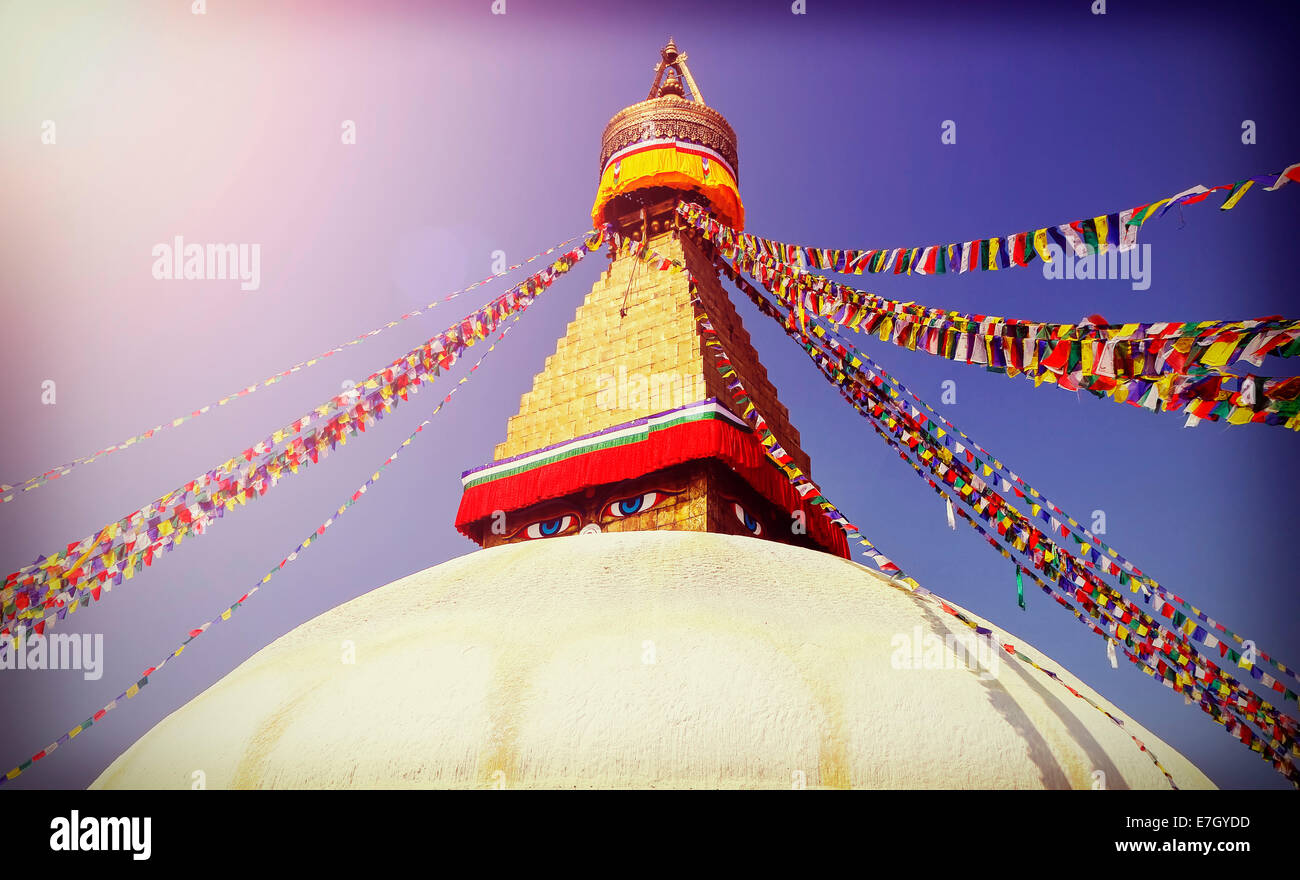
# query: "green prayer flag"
1090,237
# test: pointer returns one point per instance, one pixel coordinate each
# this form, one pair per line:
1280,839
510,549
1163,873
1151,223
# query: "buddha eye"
635,504
747,519
549,528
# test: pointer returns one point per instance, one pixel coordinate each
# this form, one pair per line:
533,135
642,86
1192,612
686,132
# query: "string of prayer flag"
56,584
1231,715
782,459
1148,637
228,612
1094,235
1163,366
850,366
9,493
1202,627
1224,710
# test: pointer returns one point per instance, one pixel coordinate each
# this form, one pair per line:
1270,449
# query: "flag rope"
849,353
801,482
1234,725
9,493
900,581
1082,237
1127,573
226,614
850,361
37,595
1137,579
1157,366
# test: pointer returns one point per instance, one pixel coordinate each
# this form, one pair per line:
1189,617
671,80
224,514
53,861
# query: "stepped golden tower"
630,426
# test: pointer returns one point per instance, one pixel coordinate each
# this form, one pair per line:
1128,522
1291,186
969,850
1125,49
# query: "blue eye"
747,520
635,504
549,528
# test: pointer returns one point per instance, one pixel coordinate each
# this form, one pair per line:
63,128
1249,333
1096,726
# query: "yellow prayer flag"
1219,352
1040,245
1102,225
1236,197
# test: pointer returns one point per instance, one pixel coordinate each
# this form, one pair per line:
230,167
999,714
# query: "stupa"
653,604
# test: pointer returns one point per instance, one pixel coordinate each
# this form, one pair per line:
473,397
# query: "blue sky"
479,133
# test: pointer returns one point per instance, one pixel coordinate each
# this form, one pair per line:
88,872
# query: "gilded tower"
630,426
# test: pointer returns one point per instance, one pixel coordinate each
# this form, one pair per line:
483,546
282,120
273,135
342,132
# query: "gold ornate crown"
670,116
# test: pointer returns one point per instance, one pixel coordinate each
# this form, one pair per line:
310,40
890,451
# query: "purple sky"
477,133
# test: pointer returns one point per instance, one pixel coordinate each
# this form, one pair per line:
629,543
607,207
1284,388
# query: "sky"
478,133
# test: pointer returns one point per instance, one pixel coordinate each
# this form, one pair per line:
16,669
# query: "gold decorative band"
670,117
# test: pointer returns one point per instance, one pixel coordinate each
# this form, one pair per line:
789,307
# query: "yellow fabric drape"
668,166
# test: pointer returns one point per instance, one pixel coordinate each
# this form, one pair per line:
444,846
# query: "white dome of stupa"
643,659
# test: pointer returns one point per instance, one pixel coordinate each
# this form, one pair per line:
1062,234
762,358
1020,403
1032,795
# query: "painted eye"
635,504
549,528
747,520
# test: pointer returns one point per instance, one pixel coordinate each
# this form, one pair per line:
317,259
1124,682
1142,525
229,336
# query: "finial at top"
669,73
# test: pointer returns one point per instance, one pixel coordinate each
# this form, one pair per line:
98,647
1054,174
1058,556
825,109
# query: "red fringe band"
692,441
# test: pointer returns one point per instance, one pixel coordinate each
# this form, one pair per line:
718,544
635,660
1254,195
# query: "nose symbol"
590,529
